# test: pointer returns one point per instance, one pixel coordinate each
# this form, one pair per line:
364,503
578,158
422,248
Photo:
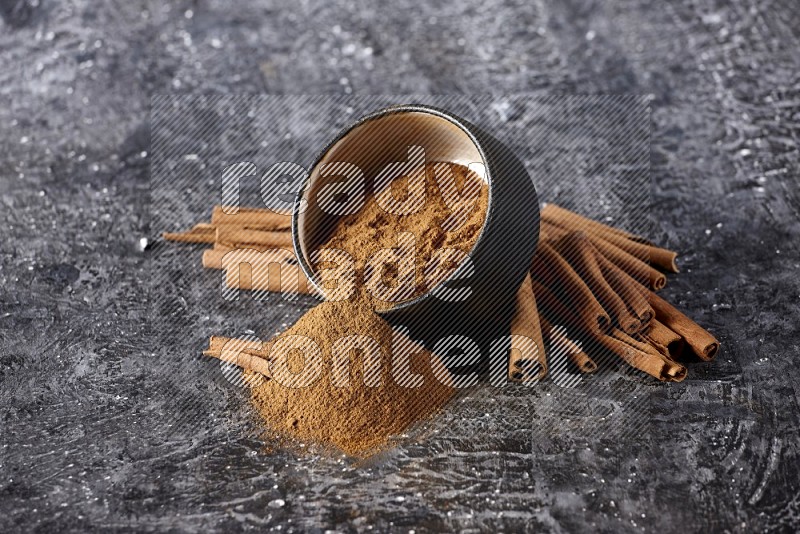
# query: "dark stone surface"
98,428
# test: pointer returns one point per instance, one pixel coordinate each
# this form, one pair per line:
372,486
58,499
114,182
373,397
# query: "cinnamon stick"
635,352
636,343
245,219
643,273
549,304
237,236
665,340
655,365
551,269
525,324
212,258
554,211
257,275
578,250
558,340
701,342
550,233
247,354
630,243
243,278
627,288
632,265
640,357
660,257
260,218
231,235
199,233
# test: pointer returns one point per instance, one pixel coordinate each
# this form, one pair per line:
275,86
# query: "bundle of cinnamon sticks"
241,238
598,284
590,290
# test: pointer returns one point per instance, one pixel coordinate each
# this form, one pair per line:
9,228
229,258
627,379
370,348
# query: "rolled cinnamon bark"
550,233
525,323
552,211
552,307
553,310
628,289
553,270
249,227
236,236
247,354
665,340
579,358
212,258
643,273
701,342
200,233
549,304
256,218
648,360
576,248
653,364
630,243
247,281
632,265
636,342
247,269
660,257
558,340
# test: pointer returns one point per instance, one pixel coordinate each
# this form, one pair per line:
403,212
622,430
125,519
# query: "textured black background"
90,436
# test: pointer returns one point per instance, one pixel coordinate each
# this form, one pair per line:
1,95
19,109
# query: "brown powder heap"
356,418
449,209
450,215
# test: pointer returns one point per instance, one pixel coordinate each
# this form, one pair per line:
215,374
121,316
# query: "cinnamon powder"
450,216
360,416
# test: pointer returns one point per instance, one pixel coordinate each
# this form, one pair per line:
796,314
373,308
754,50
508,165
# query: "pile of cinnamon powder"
359,417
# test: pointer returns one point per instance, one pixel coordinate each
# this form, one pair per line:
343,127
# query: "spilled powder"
357,418
450,216
360,416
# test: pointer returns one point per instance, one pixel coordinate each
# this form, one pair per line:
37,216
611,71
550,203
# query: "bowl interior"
370,146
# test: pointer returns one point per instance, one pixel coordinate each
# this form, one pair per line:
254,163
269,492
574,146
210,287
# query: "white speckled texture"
88,438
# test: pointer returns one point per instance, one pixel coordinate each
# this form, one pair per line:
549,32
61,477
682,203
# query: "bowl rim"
383,112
